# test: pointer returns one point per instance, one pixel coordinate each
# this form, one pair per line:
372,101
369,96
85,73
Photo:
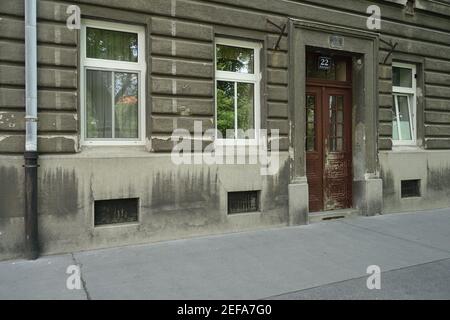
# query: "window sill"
112,143
399,147
237,143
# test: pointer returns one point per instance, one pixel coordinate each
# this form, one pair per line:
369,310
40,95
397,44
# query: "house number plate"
325,63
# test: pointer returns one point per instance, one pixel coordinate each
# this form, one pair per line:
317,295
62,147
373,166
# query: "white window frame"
254,79
411,93
139,68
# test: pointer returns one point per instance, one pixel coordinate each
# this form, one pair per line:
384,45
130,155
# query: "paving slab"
44,279
429,281
250,265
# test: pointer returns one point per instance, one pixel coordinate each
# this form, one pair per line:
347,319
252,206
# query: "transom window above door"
113,72
237,90
404,125
325,66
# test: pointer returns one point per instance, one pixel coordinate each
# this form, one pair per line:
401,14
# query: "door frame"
322,90
363,46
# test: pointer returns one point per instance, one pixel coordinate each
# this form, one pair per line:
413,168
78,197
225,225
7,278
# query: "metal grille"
121,211
411,188
243,202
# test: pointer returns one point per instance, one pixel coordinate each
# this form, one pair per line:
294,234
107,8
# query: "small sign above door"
336,42
325,63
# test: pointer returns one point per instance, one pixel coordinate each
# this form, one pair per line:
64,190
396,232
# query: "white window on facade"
113,73
404,105
238,81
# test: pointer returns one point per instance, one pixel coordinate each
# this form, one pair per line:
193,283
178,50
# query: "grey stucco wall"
175,201
432,168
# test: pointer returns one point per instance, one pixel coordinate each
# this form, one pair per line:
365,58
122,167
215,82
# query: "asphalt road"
321,261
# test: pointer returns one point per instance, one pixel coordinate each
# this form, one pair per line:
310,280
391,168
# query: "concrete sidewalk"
326,260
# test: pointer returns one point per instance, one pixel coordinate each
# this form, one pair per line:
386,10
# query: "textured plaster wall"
431,167
176,201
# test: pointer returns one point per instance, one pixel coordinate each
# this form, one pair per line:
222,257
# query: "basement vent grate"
243,202
411,189
121,211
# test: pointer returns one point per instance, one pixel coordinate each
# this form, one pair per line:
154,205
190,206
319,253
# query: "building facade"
356,105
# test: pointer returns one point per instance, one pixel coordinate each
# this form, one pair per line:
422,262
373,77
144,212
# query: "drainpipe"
31,150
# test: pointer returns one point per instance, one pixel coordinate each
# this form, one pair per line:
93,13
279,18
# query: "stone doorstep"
316,217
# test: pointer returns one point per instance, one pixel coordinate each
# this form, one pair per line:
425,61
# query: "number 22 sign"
325,63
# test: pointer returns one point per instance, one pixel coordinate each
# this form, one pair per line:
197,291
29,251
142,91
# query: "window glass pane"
311,124
402,77
310,115
339,145
332,143
126,108
405,121
98,104
246,110
340,130
337,71
336,127
225,108
333,115
111,45
395,135
234,59
341,70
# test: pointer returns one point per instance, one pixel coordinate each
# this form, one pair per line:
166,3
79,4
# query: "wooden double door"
329,147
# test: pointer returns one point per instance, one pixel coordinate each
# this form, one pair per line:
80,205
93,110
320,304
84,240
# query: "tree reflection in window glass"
225,107
112,109
235,59
310,123
126,105
111,45
246,114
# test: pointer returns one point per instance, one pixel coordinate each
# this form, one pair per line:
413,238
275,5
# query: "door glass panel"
310,125
336,127
339,144
339,130
340,116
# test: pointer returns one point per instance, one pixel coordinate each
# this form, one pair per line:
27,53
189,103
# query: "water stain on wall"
183,189
388,185
276,195
58,193
439,179
11,194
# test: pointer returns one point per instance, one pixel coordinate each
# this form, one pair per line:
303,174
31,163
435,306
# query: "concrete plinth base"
298,204
368,196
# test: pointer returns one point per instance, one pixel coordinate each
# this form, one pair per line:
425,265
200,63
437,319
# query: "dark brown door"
328,148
